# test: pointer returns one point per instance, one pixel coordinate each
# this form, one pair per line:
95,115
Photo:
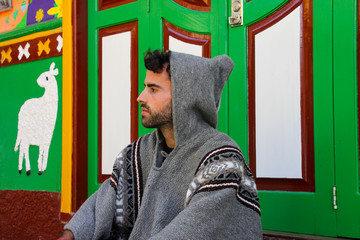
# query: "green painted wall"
18,84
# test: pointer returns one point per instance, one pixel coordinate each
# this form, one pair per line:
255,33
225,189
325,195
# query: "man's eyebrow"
152,85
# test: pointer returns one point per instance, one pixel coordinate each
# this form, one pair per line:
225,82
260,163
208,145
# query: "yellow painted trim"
67,121
31,36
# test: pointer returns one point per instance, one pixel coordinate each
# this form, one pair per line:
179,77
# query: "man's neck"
168,133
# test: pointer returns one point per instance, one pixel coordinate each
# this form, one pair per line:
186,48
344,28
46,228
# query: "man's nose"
141,98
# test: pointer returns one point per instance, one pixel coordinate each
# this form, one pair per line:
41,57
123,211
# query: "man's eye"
153,89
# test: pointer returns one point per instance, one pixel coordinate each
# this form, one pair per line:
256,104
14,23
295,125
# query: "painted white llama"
37,119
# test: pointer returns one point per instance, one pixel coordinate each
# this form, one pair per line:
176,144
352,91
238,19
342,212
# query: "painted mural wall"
30,118
30,103
30,143
15,14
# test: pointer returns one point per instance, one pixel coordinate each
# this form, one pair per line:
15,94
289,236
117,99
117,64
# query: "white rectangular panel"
277,99
116,89
183,47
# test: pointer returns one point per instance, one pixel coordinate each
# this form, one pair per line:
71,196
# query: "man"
185,180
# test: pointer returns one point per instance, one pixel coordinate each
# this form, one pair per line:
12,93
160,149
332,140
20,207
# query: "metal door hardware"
334,198
236,18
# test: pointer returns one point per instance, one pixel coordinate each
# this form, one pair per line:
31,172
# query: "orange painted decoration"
11,18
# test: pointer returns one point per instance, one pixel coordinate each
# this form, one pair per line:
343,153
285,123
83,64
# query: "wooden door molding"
80,103
197,5
106,4
307,183
203,40
126,27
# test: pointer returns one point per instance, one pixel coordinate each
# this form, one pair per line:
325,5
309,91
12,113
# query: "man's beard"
158,119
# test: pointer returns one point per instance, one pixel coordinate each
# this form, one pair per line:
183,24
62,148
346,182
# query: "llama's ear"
55,72
52,66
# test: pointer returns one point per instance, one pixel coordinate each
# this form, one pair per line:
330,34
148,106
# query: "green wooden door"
179,25
112,27
327,58
346,117
190,24
327,132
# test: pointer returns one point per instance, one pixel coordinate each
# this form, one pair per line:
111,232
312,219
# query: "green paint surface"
346,118
18,84
335,101
299,212
335,123
22,22
150,17
23,31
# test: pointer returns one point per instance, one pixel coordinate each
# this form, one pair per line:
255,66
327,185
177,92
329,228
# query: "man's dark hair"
156,61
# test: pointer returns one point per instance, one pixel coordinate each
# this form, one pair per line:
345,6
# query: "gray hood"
197,84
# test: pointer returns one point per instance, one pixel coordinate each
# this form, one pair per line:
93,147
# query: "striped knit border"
218,151
244,200
137,176
113,182
251,203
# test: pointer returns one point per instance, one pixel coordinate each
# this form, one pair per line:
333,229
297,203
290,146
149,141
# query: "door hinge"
236,18
334,198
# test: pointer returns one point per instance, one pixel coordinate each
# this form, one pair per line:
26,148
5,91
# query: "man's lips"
144,111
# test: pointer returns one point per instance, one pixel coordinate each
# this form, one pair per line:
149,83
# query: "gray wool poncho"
202,190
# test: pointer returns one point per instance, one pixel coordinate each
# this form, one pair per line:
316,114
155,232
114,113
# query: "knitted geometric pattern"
126,180
225,167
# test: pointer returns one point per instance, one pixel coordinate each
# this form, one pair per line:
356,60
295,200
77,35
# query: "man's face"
155,100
